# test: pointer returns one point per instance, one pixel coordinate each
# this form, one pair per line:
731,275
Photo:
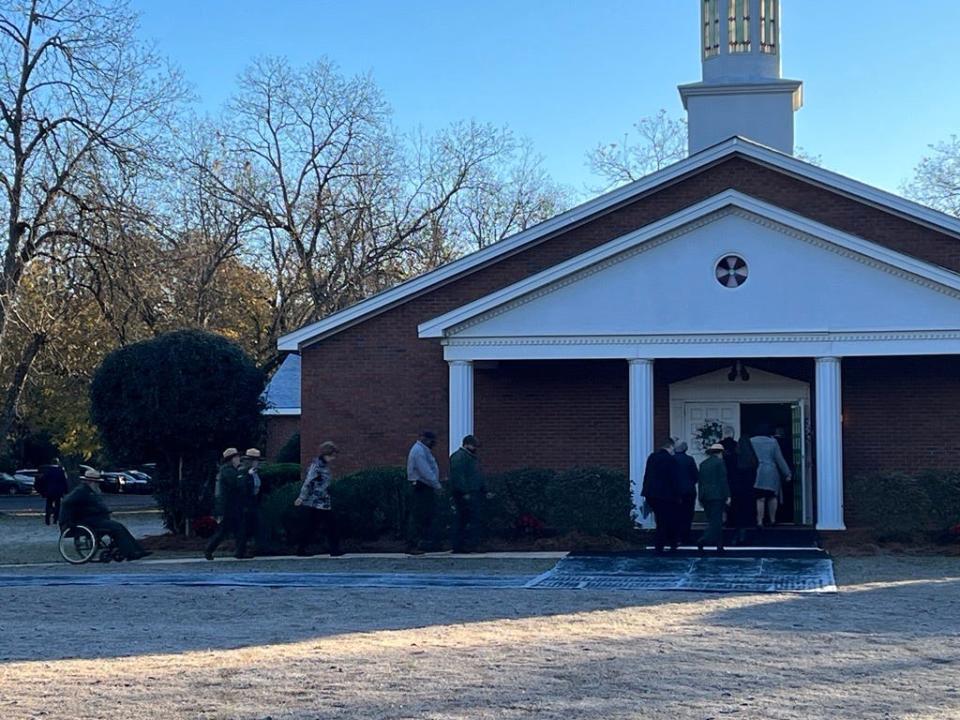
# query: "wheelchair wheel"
78,544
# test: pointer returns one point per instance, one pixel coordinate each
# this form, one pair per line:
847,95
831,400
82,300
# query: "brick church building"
740,286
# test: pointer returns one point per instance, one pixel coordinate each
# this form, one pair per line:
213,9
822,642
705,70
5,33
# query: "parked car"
13,485
122,481
144,477
26,478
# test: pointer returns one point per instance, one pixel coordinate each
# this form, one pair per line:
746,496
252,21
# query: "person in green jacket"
714,494
467,488
85,506
231,504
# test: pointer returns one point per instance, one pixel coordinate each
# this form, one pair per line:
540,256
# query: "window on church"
768,26
711,28
738,24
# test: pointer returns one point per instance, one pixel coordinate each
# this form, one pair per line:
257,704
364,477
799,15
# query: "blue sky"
880,75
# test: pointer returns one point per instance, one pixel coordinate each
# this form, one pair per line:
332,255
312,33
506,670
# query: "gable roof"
734,146
939,277
282,394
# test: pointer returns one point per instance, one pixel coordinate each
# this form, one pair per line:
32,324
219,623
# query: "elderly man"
467,487
84,506
232,496
423,473
661,490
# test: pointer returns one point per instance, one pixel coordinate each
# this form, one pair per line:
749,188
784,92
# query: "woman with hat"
714,494
230,505
84,506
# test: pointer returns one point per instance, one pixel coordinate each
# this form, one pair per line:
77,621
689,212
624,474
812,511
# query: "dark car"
121,481
25,480
15,485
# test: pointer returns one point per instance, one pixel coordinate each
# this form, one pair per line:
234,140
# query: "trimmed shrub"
900,507
372,503
177,399
275,475
290,452
595,501
523,493
278,514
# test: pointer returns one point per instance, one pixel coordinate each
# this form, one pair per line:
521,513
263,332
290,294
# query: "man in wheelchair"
84,506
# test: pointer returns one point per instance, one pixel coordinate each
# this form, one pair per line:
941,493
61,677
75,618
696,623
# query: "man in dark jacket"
714,496
232,497
687,475
51,484
661,489
85,506
468,489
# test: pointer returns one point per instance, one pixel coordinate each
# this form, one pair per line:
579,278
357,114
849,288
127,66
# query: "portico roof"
813,290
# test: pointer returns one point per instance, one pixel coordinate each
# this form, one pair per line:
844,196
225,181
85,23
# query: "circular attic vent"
732,271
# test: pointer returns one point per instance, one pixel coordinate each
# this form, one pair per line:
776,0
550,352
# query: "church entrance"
708,408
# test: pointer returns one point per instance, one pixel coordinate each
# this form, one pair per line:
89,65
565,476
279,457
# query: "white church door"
706,423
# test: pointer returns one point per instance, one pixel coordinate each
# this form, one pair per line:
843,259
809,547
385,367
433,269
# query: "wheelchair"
80,544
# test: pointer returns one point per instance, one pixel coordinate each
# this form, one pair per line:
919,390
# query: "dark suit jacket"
661,477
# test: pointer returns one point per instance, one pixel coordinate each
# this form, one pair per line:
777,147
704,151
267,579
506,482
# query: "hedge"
902,507
372,504
274,475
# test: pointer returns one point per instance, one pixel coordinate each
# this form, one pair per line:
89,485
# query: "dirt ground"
886,646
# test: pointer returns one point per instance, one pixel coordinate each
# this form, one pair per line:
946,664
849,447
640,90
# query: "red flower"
205,526
955,530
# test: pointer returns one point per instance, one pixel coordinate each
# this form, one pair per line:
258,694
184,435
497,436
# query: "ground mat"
698,574
274,580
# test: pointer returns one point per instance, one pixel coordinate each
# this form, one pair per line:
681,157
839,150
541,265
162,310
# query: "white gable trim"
690,218
281,411
759,153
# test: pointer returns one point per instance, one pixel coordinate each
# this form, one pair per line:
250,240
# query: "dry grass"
888,646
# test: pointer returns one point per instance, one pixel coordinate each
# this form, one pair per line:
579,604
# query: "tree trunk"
8,411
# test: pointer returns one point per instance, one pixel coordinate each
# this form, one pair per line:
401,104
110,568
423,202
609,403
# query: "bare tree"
936,179
75,87
344,206
659,141
509,194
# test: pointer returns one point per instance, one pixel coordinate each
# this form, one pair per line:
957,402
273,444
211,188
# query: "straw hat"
716,447
252,453
92,475
230,452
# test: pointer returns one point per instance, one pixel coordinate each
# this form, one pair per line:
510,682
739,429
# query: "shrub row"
372,504
904,507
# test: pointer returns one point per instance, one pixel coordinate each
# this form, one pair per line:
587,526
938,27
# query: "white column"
461,401
829,434
641,429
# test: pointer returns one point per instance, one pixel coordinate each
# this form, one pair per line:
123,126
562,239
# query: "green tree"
177,400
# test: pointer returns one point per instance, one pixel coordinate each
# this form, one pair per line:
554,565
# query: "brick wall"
373,386
901,414
279,429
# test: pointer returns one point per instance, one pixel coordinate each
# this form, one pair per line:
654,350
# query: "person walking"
84,506
52,485
468,489
314,503
661,490
714,493
742,512
772,472
230,505
687,474
250,487
423,474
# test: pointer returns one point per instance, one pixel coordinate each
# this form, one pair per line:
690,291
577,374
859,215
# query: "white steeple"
741,92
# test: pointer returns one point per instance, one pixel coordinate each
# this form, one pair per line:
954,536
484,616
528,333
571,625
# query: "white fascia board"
438,326
759,153
280,411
